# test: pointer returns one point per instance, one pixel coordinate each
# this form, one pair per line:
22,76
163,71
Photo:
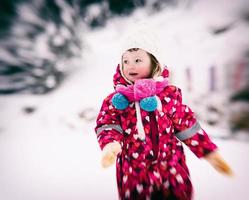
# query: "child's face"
136,65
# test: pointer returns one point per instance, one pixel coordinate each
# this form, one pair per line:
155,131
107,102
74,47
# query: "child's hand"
219,164
110,152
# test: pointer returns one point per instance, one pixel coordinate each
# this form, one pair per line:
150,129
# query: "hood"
143,92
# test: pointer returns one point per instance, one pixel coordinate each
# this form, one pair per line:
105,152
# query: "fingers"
110,151
219,164
223,167
108,159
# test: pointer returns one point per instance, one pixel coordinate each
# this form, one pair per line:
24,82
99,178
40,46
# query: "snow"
53,153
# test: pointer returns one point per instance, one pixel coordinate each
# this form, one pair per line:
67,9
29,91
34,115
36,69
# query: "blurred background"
57,60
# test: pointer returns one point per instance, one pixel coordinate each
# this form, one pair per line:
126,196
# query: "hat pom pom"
119,101
149,103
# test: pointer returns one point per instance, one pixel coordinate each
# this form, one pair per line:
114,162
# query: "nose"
131,65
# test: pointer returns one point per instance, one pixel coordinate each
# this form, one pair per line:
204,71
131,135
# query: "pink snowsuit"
158,162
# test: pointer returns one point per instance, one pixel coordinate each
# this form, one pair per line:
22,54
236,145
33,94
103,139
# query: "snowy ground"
52,153
40,161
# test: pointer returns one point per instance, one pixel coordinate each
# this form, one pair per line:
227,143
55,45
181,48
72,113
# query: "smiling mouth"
133,74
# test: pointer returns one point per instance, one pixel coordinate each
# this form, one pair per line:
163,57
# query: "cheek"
147,69
144,72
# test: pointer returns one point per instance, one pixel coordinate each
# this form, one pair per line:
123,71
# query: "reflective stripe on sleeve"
189,132
109,127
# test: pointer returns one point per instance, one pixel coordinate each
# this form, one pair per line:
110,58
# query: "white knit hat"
144,37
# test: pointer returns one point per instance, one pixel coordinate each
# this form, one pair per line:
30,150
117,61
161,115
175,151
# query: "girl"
142,125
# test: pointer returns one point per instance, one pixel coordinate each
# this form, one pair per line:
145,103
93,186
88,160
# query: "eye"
125,61
138,60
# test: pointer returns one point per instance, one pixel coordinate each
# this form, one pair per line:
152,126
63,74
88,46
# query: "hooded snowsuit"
156,164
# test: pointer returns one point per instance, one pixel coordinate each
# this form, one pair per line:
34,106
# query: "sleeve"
188,129
108,127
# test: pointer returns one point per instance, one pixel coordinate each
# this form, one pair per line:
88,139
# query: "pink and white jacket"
156,162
